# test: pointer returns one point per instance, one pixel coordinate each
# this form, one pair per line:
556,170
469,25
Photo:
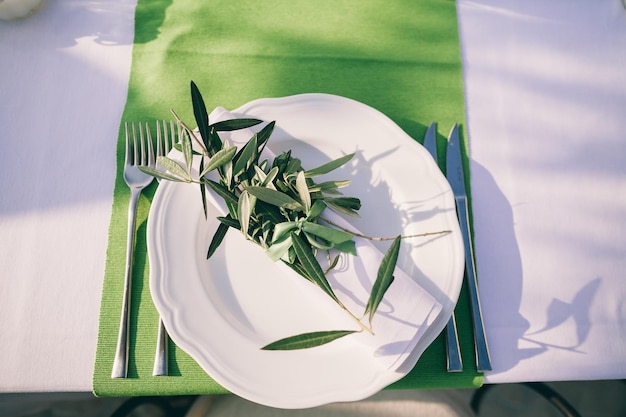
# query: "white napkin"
406,310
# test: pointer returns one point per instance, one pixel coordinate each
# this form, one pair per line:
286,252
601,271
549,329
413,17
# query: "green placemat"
401,57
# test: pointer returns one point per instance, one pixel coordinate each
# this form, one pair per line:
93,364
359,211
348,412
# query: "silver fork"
454,363
164,145
138,153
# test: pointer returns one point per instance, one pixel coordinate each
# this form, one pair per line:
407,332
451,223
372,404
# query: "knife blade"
454,173
454,362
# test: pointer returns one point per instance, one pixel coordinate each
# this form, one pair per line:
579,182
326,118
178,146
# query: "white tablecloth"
546,99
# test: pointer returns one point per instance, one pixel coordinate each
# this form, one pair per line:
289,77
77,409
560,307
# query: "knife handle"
454,362
483,361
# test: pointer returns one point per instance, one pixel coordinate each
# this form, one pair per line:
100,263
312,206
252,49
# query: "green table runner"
401,57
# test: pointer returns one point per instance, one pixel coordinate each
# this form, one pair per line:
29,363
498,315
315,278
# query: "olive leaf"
308,340
244,209
245,156
161,174
311,265
274,197
216,241
330,187
185,143
303,191
205,207
220,158
201,115
348,247
283,229
316,209
228,196
327,233
174,168
345,205
235,124
384,278
264,135
278,250
328,167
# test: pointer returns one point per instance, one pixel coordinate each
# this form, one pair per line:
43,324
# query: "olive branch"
278,206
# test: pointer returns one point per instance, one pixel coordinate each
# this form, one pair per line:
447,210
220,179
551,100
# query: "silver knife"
454,172
454,361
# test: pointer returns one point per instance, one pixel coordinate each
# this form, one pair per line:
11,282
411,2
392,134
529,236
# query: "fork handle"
120,363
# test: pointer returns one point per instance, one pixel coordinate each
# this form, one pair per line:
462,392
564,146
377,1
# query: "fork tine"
159,147
173,134
166,139
150,148
173,139
143,158
135,145
175,128
127,156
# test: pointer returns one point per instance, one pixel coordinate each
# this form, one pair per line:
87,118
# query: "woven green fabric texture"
400,57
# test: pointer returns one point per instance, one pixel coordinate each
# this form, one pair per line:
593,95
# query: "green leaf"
281,161
244,158
345,205
161,174
281,229
298,268
329,186
174,167
316,243
219,159
226,170
333,263
384,278
215,142
185,143
179,148
316,209
269,178
311,265
275,198
217,239
260,175
229,221
264,135
348,247
303,191
327,233
203,191
200,113
329,166
308,340
293,166
279,248
235,124
269,212
223,192
244,210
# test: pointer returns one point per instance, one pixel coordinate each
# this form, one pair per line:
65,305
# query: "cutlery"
454,172
138,153
164,145
453,351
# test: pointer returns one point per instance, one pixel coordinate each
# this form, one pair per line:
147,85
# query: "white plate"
223,310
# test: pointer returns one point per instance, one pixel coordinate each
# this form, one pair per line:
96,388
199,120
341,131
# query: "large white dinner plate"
221,311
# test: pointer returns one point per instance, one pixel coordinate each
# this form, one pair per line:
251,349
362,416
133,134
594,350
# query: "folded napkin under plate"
223,310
